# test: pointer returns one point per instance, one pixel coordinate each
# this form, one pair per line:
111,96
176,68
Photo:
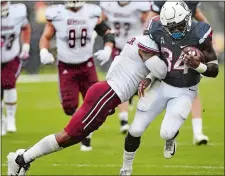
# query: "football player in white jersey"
73,24
126,19
127,70
14,26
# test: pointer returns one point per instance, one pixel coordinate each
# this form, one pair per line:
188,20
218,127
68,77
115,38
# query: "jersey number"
118,26
178,65
7,41
72,37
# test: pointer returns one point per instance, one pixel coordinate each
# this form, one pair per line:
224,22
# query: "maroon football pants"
100,101
75,78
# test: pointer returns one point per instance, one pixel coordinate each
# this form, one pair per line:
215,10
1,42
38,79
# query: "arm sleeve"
96,10
146,44
205,33
51,12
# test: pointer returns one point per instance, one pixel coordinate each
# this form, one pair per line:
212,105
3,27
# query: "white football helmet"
176,18
5,8
74,4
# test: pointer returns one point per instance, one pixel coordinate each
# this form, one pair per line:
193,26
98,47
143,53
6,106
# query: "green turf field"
39,114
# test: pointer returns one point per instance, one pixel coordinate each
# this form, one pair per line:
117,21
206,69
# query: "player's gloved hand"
142,86
104,55
24,55
46,57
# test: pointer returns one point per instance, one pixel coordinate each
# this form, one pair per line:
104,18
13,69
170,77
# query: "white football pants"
160,96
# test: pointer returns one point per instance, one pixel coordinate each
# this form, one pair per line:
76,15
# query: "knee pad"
136,131
10,95
132,143
168,134
69,109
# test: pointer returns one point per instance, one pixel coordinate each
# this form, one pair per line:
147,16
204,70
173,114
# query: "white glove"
46,57
24,55
104,55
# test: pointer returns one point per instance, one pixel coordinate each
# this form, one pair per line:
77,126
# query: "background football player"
15,29
126,19
172,31
199,137
73,24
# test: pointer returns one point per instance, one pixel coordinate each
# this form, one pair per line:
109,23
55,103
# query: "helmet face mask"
5,8
74,4
176,19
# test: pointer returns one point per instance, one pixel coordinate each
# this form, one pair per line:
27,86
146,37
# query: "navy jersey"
157,5
171,51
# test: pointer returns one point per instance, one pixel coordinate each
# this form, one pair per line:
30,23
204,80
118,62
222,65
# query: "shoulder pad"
204,31
20,10
95,10
53,11
153,24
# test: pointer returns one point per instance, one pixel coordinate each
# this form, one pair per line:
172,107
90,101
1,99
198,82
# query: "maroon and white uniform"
74,43
122,80
125,21
11,26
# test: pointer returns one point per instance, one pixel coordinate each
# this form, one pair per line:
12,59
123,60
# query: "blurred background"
214,11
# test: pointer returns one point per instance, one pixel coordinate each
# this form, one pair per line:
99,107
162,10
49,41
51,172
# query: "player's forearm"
44,42
212,69
26,34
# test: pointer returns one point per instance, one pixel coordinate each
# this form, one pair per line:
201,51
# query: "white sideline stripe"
141,166
37,78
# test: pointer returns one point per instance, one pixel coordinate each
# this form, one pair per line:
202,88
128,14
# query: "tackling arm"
155,65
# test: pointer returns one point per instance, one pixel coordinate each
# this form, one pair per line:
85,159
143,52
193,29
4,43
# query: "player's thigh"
89,77
148,108
9,73
177,111
68,86
100,101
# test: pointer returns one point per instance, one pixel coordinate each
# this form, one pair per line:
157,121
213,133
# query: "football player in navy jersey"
186,47
199,138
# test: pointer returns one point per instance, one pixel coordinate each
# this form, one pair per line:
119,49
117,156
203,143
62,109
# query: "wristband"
26,47
201,68
151,77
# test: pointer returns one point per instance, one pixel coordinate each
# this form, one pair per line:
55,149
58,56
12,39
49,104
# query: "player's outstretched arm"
105,32
44,44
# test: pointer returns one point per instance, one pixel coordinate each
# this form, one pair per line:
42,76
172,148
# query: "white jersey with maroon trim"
74,31
125,20
11,26
128,69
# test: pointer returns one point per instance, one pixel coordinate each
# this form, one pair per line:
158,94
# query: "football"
195,52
